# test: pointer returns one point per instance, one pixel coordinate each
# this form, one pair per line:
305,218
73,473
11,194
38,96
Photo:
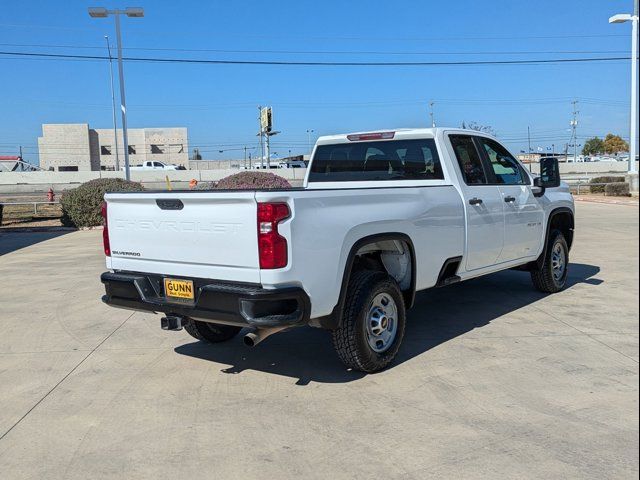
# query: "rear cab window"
379,160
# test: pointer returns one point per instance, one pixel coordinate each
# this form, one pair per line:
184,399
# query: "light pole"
633,123
133,12
113,106
433,120
309,132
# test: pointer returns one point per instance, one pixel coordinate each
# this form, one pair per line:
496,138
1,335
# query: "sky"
218,103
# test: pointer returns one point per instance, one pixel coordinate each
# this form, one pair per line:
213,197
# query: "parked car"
263,166
381,216
292,164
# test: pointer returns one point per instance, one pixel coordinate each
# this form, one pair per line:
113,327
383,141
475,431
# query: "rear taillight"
105,231
272,247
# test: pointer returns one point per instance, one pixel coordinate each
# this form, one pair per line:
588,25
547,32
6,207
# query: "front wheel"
210,332
552,276
373,322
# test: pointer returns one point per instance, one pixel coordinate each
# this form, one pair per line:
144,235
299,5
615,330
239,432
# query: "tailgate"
186,234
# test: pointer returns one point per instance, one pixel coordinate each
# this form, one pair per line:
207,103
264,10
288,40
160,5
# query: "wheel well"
390,256
392,253
564,222
561,219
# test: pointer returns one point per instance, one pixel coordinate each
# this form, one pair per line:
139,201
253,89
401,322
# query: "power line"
388,103
320,52
376,38
315,63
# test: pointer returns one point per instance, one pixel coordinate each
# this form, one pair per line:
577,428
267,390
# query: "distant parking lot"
493,379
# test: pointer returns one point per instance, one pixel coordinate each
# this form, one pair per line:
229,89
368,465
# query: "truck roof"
399,133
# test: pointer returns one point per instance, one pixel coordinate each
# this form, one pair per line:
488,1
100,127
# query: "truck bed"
214,234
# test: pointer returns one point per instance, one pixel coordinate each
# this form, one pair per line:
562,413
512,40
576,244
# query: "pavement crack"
589,335
26,414
614,349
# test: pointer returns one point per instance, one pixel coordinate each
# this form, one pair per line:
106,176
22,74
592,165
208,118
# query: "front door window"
506,169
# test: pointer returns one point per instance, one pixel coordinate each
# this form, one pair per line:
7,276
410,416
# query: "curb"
606,202
36,229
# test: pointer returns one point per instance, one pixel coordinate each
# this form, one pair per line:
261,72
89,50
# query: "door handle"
475,201
509,199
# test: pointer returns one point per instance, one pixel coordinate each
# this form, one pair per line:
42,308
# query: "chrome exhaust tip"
252,339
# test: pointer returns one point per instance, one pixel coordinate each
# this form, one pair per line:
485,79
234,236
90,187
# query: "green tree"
614,144
592,146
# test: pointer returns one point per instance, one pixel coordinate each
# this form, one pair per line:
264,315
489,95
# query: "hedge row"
81,206
617,190
247,181
601,188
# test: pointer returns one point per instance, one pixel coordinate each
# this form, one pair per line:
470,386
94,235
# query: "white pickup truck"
155,165
380,216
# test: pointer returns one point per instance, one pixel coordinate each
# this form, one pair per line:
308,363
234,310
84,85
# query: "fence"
581,186
14,212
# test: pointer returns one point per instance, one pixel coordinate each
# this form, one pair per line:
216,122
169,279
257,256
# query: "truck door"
483,204
523,214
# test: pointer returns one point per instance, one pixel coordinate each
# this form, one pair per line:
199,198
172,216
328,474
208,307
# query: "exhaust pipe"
254,338
172,322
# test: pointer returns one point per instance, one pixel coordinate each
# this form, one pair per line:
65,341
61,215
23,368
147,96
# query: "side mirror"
549,174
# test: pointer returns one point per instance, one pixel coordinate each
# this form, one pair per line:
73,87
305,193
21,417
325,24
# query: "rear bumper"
217,302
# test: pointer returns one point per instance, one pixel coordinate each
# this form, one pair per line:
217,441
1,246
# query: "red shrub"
253,181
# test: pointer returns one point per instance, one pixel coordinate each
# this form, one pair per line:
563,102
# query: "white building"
76,147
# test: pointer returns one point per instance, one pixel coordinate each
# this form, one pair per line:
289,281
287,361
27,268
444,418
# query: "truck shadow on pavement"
15,239
438,315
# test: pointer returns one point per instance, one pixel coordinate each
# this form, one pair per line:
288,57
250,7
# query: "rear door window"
379,160
469,159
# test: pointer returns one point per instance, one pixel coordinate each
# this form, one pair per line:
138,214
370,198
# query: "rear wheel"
373,322
552,276
210,332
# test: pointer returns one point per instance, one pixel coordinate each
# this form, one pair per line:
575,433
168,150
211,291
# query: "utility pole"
113,106
530,160
268,152
20,155
433,121
261,137
633,138
574,127
266,129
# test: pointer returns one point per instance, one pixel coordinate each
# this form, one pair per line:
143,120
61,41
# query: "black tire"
544,279
351,338
210,332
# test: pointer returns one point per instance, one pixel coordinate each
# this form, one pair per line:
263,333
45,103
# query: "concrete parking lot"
494,380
